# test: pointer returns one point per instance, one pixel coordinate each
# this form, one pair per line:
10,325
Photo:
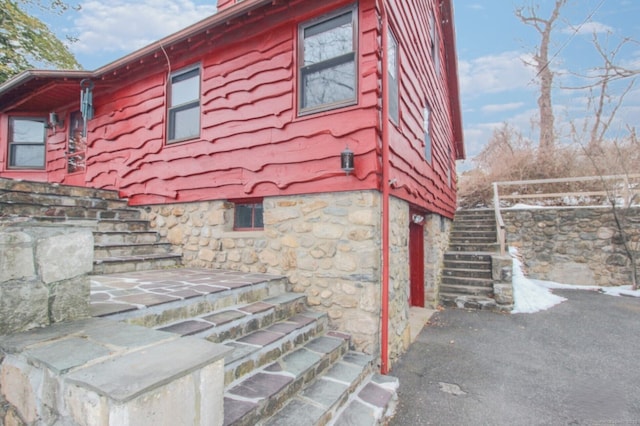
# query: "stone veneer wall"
43,274
573,245
327,245
436,242
399,279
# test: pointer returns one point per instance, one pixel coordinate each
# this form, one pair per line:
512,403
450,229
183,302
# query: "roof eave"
452,77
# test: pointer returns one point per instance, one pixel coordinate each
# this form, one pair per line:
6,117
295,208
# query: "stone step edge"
471,302
261,394
136,258
251,357
165,313
375,399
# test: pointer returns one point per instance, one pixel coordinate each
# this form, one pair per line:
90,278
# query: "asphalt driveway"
577,363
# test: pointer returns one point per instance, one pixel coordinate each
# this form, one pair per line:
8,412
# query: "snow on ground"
535,295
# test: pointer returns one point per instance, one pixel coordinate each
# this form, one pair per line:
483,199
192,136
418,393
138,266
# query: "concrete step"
122,225
480,290
482,265
469,239
469,302
125,237
101,251
133,263
467,273
154,298
264,392
475,247
490,234
468,256
448,280
475,213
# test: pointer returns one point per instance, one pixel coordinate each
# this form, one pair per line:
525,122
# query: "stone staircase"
467,279
122,241
286,366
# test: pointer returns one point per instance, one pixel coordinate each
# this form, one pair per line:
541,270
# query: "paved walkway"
574,364
130,291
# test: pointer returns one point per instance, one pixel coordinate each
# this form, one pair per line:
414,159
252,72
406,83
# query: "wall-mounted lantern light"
54,121
346,160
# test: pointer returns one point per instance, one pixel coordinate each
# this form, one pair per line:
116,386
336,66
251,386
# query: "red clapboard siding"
252,143
417,181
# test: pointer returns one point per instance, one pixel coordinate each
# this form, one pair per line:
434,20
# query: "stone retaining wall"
573,245
43,274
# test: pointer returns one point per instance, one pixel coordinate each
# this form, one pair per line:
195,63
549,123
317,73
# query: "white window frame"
393,78
189,104
14,145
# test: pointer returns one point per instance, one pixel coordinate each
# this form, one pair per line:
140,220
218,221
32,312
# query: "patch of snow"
530,295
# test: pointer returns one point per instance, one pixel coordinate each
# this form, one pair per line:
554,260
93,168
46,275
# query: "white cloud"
588,28
494,74
493,108
119,27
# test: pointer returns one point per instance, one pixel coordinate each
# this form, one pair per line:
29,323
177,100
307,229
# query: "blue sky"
496,86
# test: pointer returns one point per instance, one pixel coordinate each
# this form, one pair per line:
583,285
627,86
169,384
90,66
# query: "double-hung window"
184,105
26,143
328,61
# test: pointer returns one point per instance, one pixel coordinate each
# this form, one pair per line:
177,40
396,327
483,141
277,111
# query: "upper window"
248,216
26,143
393,68
435,43
427,133
328,69
184,105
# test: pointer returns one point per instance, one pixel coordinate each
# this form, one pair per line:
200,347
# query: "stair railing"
500,231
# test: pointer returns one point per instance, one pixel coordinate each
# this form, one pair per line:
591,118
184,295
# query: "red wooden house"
232,133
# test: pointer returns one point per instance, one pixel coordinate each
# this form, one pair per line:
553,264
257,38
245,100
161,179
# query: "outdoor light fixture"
346,160
54,121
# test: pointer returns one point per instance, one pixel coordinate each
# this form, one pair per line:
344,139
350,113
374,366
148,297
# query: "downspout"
384,350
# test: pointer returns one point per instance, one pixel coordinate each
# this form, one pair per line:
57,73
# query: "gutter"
384,339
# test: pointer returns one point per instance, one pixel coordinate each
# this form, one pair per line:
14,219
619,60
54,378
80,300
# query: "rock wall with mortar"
43,274
327,245
574,245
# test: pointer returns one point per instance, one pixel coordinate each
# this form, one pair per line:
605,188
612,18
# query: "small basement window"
248,215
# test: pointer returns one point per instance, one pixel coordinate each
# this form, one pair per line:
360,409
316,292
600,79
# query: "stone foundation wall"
43,274
327,245
436,241
399,279
573,245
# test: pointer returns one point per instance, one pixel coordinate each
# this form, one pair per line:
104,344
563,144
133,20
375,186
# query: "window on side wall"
427,133
327,76
27,143
184,105
393,71
434,42
248,215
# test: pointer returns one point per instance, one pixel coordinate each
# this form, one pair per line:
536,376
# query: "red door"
416,261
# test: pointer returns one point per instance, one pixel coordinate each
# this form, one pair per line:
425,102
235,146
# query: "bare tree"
529,15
